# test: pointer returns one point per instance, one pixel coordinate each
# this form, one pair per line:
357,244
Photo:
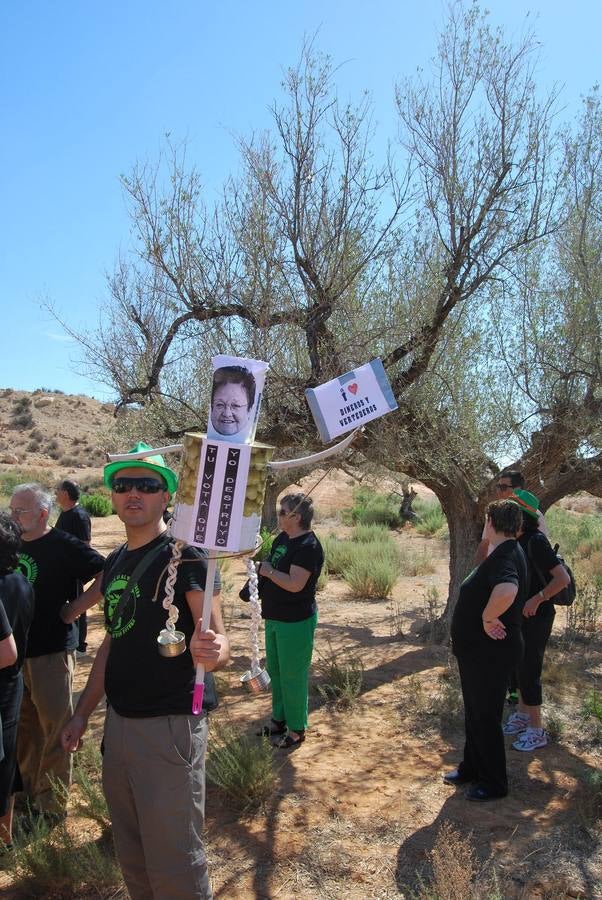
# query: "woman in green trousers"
287,587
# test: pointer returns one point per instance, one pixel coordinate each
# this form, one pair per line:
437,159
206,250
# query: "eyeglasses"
285,512
142,485
500,486
221,407
18,511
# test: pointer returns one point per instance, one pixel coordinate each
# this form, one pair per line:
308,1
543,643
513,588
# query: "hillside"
62,433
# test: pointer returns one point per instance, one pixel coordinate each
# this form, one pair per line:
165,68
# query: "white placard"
350,400
215,520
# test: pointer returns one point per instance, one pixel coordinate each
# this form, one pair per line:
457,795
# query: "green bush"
372,571
592,706
341,675
371,508
323,579
571,530
267,539
430,517
96,504
338,554
11,478
413,564
370,534
240,766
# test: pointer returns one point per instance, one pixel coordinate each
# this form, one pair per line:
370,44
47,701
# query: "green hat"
155,463
528,502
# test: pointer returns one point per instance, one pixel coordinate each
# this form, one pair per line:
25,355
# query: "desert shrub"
371,508
589,567
371,577
10,479
53,444
341,675
431,609
49,861
592,705
590,798
240,766
96,504
413,564
23,420
370,534
33,446
454,866
583,616
429,708
338,554
20,404
267,539
69,461
396,620
571,530
323,579
430,517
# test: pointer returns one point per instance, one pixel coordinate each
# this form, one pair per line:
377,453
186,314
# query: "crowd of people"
153,747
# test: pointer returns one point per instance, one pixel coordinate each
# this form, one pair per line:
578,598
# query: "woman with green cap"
547,576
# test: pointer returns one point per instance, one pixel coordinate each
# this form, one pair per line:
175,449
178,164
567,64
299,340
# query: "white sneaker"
531,739
515,723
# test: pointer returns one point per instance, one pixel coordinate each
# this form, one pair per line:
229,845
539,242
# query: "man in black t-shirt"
75,520
54,563
154,749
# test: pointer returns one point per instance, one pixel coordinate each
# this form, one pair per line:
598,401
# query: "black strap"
540,574
134,578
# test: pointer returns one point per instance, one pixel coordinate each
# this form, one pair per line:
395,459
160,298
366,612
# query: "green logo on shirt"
127,617
28,567
277,554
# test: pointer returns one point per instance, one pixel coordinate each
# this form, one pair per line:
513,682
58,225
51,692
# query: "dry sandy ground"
358,806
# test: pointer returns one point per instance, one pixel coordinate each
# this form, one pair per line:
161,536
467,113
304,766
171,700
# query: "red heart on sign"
353,388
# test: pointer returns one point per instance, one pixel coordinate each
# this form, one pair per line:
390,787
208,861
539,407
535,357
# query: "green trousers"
288,650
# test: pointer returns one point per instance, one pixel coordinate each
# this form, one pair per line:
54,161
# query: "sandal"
275,728
289,741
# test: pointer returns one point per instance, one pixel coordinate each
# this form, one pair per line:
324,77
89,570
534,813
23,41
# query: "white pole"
197,697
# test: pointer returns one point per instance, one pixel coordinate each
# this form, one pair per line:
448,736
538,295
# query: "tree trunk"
269,517
465,524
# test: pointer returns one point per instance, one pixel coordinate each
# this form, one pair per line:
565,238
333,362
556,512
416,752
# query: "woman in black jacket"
487,641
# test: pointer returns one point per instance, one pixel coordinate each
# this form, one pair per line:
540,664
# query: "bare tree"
317,258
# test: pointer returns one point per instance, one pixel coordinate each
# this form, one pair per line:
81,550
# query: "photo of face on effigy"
232,399
235,397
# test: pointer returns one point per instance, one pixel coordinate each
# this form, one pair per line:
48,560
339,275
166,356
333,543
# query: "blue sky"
86,89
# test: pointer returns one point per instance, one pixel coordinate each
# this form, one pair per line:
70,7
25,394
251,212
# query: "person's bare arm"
293,581
8,652
71,611
560,580
91,696
501,598
211,647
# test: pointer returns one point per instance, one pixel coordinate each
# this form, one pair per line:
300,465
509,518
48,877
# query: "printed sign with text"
350,400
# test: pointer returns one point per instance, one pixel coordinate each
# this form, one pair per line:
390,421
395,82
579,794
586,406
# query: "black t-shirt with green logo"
505,564
17,598
139,682
55,564
306,552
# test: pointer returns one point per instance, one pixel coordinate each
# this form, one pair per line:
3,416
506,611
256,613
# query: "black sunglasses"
143,485
500,486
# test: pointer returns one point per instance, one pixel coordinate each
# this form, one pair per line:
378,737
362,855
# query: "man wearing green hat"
153,748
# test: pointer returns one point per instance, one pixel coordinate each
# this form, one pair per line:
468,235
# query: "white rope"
255,615
172,574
